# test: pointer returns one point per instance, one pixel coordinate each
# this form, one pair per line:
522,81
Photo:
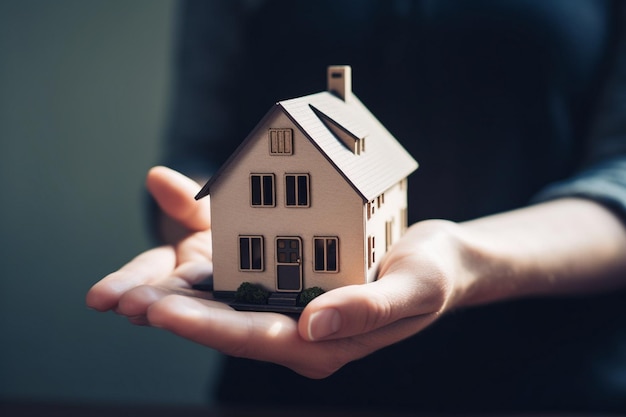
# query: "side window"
371,251
404,220
281,141
326,254
262,190
251,253
297,190
388,234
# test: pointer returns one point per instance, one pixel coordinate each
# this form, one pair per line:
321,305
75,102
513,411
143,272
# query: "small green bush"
251,293
309,294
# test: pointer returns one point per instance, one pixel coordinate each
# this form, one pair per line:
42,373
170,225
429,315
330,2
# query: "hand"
336,328
167,269
565,246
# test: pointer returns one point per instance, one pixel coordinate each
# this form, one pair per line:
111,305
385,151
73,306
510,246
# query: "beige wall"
395,199
335,210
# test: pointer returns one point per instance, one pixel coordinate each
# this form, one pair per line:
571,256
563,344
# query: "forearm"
567,246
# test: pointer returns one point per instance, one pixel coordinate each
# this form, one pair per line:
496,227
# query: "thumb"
174,193
359,309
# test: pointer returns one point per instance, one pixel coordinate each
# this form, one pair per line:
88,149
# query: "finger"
135,302
148,267
217,325
360,309
187,274
270,337
197,248
175,193
261,336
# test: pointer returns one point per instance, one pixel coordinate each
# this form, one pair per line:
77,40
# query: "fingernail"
324,323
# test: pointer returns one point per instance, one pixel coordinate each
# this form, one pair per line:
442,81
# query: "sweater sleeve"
603,173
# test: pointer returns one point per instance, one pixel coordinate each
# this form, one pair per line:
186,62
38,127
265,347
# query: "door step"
283,299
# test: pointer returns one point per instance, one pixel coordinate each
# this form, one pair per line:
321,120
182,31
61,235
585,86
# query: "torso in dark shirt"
494,99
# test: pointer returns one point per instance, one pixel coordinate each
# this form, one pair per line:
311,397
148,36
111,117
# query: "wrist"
486,272
475,267
446,255
476,270
567,246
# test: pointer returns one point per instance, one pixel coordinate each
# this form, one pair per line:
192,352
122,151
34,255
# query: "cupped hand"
342,325
416,284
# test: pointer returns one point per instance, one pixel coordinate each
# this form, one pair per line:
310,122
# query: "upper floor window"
262,190
297,190
281,141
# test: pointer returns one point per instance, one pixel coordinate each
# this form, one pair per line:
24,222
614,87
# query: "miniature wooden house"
314,196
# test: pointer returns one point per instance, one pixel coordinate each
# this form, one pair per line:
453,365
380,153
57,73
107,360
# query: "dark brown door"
288,264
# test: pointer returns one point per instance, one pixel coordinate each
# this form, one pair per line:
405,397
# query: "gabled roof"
383,163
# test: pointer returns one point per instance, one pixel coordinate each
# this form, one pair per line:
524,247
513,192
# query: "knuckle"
379,311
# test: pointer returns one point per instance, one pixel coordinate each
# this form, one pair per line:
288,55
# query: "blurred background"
83,98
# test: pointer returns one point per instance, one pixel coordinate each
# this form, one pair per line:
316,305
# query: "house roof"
384,161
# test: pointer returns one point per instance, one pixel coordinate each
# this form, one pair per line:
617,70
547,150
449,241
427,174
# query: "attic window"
281,141
353,142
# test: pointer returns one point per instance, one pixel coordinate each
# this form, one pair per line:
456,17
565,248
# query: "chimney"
340,81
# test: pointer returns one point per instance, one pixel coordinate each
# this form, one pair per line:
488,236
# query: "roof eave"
206,189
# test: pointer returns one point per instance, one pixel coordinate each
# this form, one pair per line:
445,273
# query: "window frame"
274,141
371,251
263,194
297,190
325,249
250,254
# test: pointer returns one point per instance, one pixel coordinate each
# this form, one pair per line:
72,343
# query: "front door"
288,264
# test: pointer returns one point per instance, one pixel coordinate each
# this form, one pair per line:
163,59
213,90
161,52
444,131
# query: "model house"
313,197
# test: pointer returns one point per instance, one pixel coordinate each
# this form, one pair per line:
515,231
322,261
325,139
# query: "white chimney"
340,81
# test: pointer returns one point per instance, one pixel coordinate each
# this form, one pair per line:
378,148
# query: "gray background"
83,98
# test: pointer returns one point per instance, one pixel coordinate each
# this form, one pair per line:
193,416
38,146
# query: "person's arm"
568,246
562,246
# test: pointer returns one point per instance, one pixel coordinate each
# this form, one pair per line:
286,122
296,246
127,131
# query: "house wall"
335,210
385,224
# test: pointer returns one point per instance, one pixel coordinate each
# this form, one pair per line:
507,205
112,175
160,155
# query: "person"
516,113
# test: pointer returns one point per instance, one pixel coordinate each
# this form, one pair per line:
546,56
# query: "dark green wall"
83,93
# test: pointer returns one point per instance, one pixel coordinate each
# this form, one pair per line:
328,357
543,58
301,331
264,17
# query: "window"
326,254
297,190
281,141
388,234
262,190
404,220
371,208
371,253
251,253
